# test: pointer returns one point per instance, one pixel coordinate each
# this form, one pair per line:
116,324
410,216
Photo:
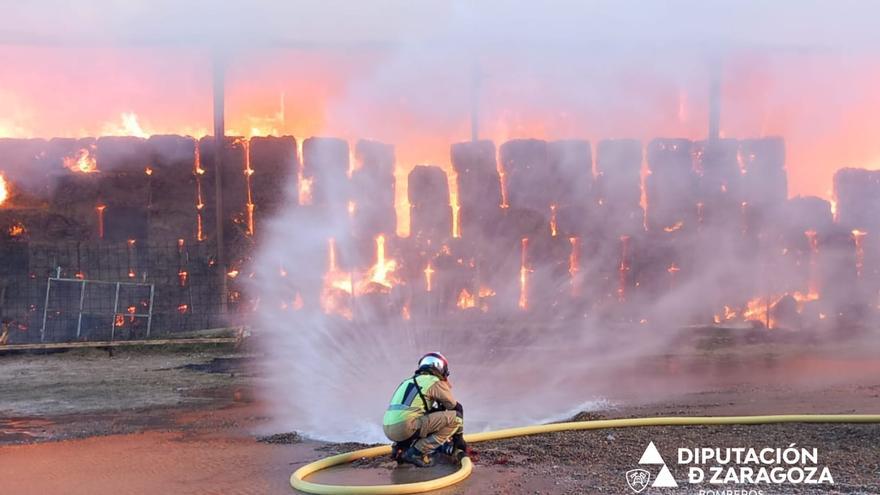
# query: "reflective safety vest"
406,402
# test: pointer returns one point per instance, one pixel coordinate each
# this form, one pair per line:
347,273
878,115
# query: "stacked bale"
75,193
173,195
618,197
124,187
234,192
430,211
373,190
570,169
765,183
479,188
719,190
857,192
275,162
618,184
325,164
671,187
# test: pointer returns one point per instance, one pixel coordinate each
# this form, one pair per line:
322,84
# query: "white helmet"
435,363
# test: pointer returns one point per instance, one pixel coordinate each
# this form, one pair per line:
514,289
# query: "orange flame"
574,262
16,229
466,300
248,172
100,209
553,220
429,273
676,226
858,236
4,189
623,268
82,161
382,272
523,275
337,284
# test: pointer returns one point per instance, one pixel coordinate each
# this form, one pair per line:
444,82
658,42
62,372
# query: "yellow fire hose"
297,479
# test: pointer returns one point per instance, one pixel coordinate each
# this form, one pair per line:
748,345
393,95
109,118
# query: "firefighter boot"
414,456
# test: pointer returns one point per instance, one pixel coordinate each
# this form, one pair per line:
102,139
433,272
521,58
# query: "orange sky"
825,105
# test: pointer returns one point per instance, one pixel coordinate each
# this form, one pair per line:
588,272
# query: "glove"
459,410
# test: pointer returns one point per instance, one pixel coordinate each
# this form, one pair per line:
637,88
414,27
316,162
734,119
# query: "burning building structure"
542,230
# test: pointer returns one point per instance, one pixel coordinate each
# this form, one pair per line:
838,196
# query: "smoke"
412,74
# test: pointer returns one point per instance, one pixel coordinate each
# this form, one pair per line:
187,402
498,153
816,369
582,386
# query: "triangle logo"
651,456
664,479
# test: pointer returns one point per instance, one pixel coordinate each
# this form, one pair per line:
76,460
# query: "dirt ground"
188,422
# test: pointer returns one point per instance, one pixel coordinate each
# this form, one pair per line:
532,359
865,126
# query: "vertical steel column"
115,312
475,102
219,142
45,310
715,100
82,297
150,314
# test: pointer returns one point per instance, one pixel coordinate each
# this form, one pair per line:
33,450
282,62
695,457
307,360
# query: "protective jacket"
408,404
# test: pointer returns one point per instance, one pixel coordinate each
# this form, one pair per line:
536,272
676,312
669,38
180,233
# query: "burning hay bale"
570,166
430,211
325,166
372,207
275,167
857,193
234,180
671,186
479,187
173,195
618,185
719,189
765,183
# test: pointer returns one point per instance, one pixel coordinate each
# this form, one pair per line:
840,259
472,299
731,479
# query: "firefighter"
423,417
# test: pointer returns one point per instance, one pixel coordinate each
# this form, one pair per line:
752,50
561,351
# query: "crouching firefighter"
423,417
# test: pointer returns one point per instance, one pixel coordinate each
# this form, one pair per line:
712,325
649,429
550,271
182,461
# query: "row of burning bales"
682,231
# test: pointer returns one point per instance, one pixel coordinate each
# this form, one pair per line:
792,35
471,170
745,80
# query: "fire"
100,209
760,308
858,236
553,220
16,229
232,273
182,277
429,273
352,207
623,268
382,272
148,171
574,262
466,300
676,226
305,189
4,189
248,172
524,275
182,308
82,161
404,312
337,285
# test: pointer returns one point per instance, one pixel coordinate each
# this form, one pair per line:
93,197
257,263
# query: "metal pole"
150,316
715,100
219,141
115,312
82,297
475,102
45,310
